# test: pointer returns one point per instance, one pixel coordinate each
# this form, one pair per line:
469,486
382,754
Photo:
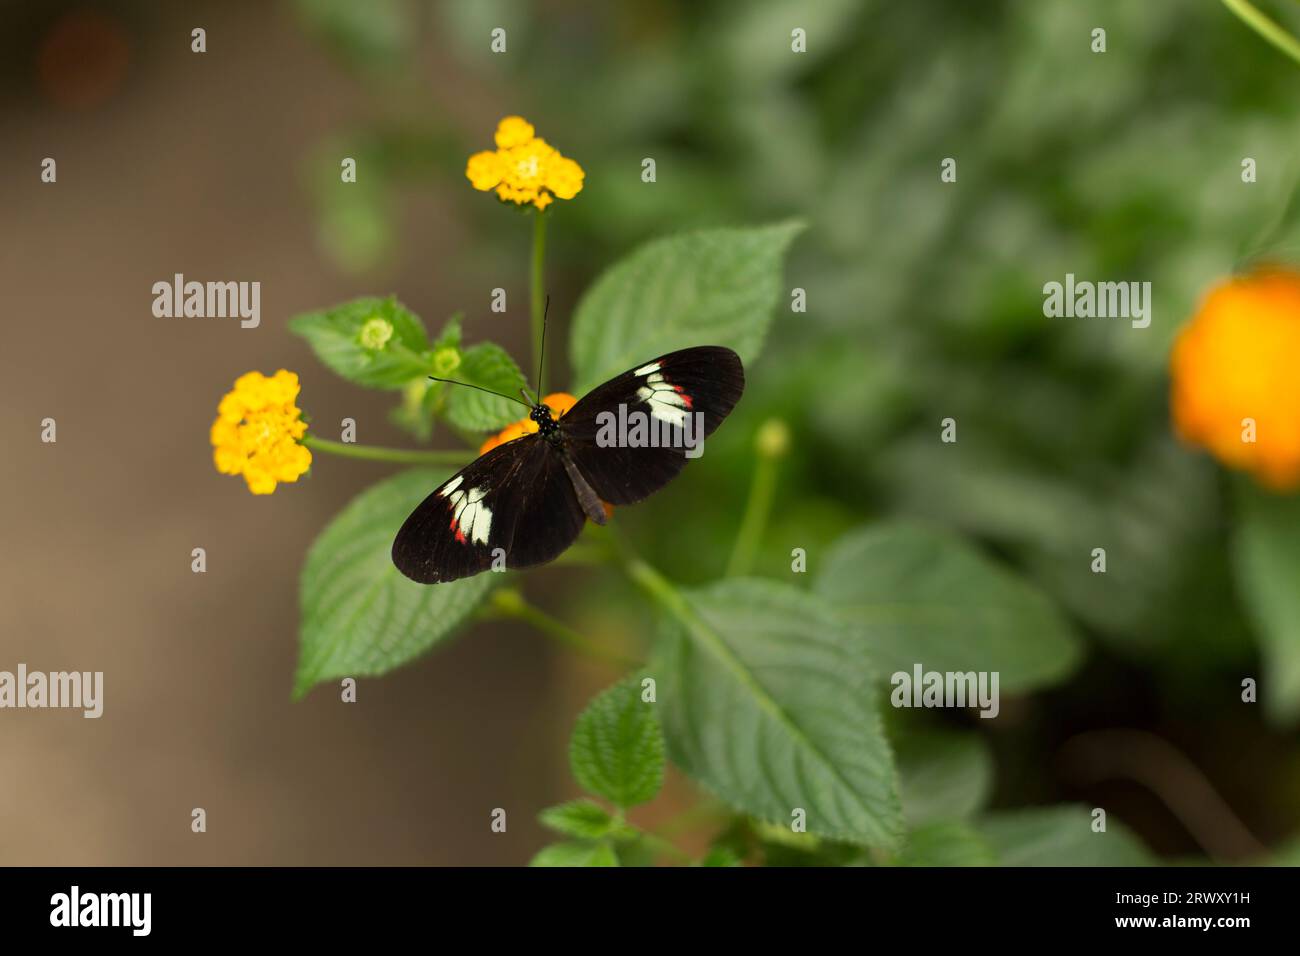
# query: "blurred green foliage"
924,302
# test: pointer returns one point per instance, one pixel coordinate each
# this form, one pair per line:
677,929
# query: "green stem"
1266,27
510,603
538,303
770,444
399,456
762,489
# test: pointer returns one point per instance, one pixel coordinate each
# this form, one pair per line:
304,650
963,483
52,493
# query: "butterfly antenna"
452,381
541,356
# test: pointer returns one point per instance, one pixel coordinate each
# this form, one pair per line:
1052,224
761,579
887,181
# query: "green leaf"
1266,558
584,819
335,336
715,287
617,748
720,856
943,775
914,595
770,704
1061,836
947,843
450,336
489,366
576,854
360,616
782,847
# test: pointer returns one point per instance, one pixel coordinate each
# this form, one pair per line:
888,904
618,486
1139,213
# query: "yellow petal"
483,171
513,131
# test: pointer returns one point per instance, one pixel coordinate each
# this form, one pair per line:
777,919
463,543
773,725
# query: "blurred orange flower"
1236,376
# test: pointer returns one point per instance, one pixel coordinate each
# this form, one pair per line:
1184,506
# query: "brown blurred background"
171,161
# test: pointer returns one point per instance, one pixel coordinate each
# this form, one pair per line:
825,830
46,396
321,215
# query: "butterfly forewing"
515,504
703,382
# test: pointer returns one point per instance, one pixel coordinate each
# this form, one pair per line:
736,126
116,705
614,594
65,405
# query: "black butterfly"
526,501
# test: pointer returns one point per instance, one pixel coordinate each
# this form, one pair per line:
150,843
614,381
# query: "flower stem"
538,303
399,456
653,584
770,445
1266,27
509,602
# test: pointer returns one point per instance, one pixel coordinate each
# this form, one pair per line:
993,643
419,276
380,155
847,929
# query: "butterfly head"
546,425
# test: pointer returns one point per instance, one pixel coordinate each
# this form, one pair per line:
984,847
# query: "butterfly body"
525,501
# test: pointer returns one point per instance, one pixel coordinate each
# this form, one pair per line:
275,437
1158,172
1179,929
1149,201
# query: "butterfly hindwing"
706,381
516,498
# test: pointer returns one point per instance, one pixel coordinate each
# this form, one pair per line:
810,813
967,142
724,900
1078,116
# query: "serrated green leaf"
617,748
770,704
335,336
1061,836
584,819
947,843
714,287
360,616
943,775
1266,559
913,594
486,365
576,854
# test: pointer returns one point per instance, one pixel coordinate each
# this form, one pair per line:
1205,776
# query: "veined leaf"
714,287
915,595
770,704
943,775
489,366
1061,836
584,819
617,748
335,335
360,616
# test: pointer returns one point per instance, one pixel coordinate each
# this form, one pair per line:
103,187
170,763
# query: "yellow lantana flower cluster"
524,168
257,431
1236,376
558,402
